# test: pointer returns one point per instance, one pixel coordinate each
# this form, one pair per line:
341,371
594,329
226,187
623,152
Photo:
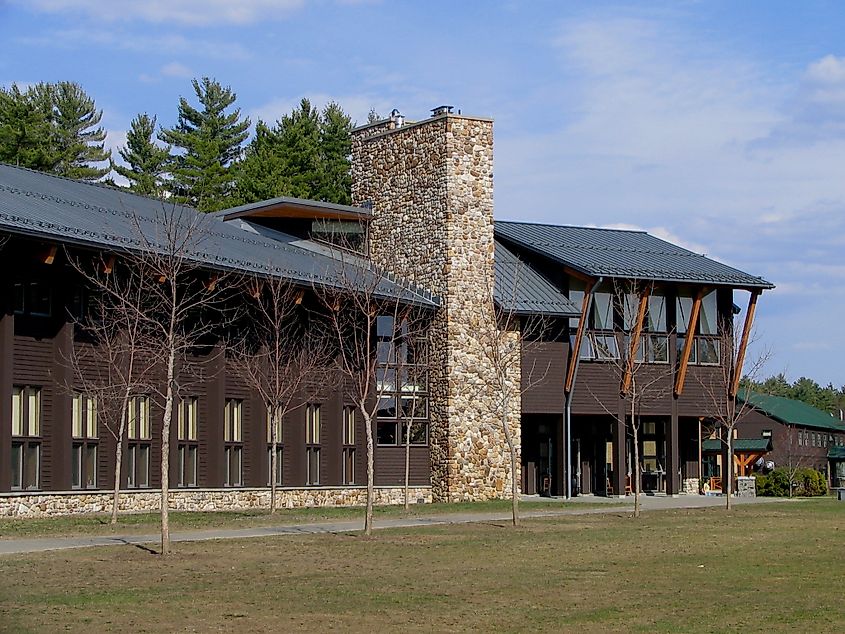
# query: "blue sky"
717,125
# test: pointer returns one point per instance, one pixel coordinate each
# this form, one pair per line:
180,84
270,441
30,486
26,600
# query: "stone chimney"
430,183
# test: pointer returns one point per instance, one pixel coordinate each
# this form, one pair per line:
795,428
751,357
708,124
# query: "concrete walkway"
608,505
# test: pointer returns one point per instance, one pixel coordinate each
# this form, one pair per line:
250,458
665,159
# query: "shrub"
807,483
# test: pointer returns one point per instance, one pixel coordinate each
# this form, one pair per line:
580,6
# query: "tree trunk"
728,486
512,450
408,460
368,428
118,456
636,470
165,453
274,463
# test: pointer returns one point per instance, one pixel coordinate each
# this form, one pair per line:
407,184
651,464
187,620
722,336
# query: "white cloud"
175,69
182,12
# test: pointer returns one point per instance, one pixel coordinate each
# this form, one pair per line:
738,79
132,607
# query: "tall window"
348,467
401,383
654,343
139,437
600,342
84,449
279,447
706,349
312,444
187,441
26,437
233,439
32,298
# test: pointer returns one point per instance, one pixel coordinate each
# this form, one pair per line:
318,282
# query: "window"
33,298
279,447
138,436
312,444
706,348
26,437
233,440
187,440
401,383
348,457
84,448
767,433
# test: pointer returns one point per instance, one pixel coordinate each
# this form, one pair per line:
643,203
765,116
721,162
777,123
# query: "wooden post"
743,344
689,342
635,341
576,349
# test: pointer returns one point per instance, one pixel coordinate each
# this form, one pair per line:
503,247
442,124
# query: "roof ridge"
549,224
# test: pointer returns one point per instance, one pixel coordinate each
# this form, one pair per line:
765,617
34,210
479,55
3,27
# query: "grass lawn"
143,523
772,567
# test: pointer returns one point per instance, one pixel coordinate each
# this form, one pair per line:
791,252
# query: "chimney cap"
439,110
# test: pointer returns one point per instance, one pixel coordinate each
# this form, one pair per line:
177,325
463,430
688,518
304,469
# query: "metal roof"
521,290
791,412
623,254
56,208
740,445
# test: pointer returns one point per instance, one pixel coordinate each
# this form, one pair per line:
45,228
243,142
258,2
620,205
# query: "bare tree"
107,358
276,354
412,370
638,358
720,387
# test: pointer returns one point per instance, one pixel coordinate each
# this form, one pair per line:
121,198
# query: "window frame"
233,445
138,442
187,441
84,442
313,444
348,451
26,444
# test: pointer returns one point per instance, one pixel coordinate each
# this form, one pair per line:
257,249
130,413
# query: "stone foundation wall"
76,503
690,486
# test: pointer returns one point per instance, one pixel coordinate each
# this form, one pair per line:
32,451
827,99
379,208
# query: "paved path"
17,546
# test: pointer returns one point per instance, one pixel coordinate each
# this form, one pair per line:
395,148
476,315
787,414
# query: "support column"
58,442
213,433
620,466
673,457
7,342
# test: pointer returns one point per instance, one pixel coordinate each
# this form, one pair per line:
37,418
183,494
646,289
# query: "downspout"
567,416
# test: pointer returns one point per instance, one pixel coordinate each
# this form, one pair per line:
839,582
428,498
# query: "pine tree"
26,131
147,161
263,172
299,145
202,176
79,140
335,149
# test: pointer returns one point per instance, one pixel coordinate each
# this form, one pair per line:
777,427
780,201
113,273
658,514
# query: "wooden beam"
743,344
48,256
211,283
108,264
635,341
298,297
576,348
689,342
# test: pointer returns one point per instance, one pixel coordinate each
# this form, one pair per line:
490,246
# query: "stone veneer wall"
690,486
76,502
431,187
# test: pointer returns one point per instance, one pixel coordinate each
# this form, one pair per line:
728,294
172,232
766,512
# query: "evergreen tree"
210,140
147,161
335,150
26,128
79,140
305,155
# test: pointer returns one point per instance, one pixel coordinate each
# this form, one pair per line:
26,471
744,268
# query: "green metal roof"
836,453
791,412
741,445
623,253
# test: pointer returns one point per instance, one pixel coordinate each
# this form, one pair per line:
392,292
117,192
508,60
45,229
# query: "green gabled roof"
836,453
741,445
791,412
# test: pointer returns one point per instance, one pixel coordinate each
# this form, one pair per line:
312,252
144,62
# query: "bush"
807,483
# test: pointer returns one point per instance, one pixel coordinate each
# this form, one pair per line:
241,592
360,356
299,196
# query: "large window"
233,440
85,442
706,349
313,429
187,440
280,453
401,384
139,437
26,437
348,456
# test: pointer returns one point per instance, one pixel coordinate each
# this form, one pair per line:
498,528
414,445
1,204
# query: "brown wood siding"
390,466
543,374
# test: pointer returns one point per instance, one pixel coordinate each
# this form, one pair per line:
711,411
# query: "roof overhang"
301,208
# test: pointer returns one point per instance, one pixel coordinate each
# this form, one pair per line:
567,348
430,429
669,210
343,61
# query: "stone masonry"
76,502
430,184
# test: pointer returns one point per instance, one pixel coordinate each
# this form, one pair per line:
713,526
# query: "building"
423,194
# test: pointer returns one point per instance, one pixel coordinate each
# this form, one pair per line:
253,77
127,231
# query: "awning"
741,445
